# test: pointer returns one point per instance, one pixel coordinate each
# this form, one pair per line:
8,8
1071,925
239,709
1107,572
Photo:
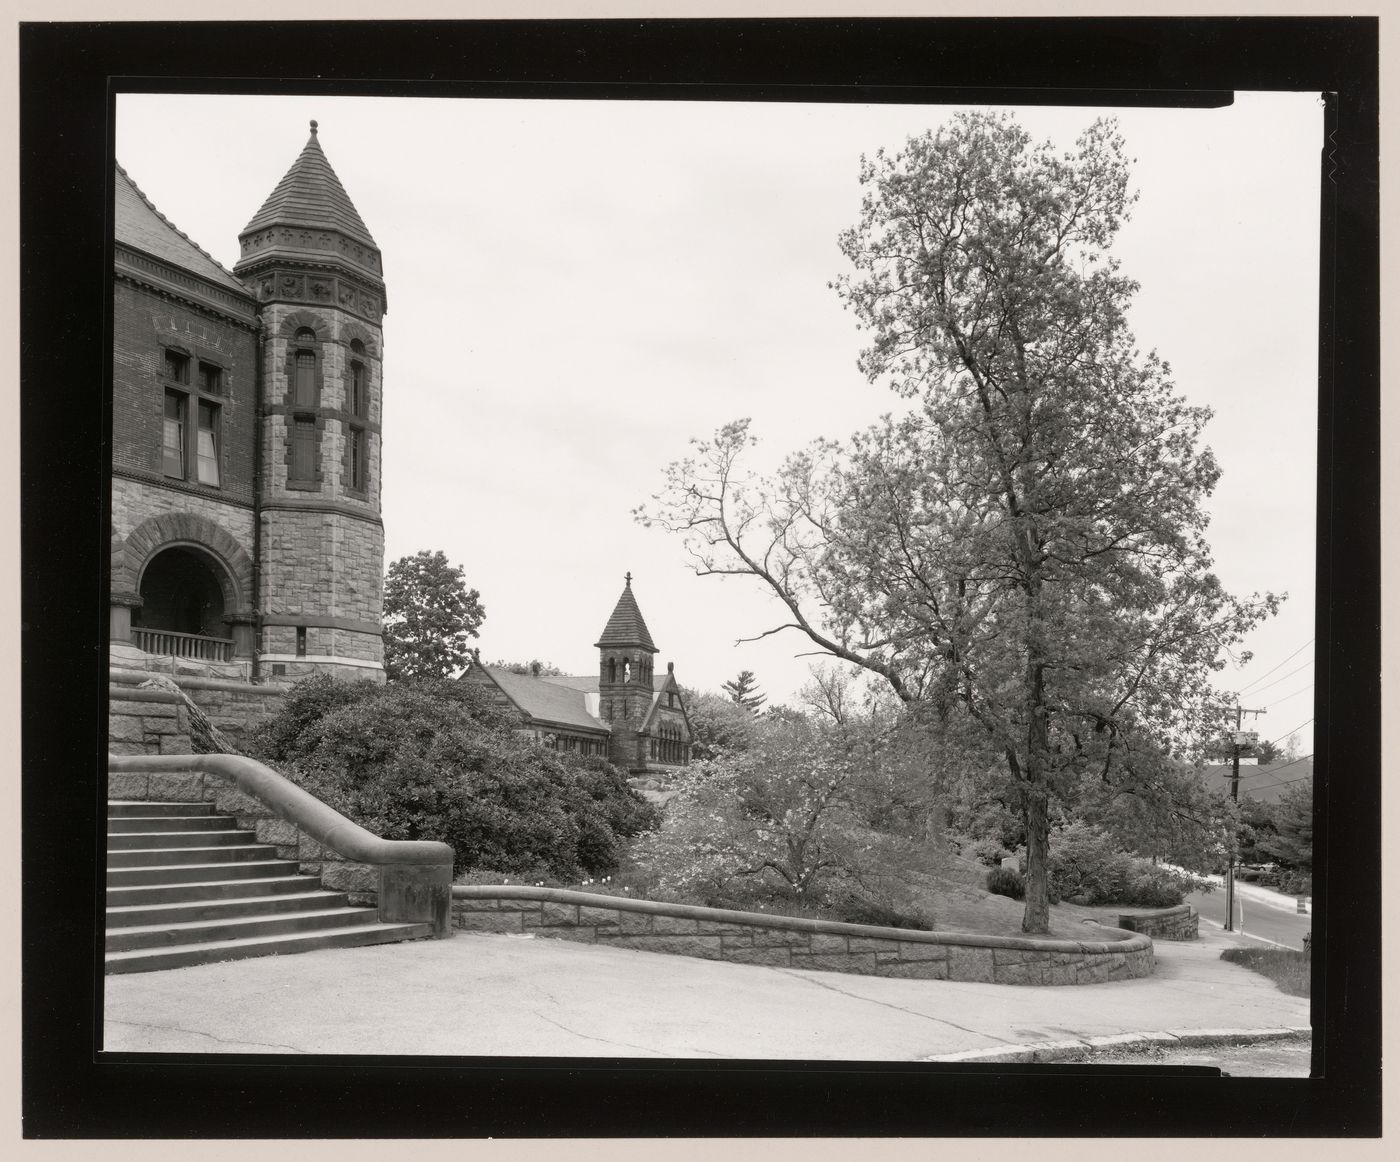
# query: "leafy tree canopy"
429,613
534,668
1022,549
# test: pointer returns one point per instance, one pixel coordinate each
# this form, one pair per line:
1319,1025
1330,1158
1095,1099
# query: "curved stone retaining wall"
1179,923
792,942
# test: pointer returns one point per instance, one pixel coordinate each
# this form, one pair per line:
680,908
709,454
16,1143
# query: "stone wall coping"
1115,939
288,801
1158,913
117,676
138,695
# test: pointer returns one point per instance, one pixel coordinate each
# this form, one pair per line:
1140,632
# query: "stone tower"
318,277
625,658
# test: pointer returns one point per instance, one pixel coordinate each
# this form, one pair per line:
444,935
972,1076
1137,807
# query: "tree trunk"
1036,814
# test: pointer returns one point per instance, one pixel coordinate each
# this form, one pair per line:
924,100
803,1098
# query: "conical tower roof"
626,627
310,194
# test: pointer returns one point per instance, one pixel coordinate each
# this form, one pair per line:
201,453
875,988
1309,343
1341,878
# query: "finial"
629,580
313,129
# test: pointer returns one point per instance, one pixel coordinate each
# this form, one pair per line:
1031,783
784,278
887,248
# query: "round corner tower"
318,277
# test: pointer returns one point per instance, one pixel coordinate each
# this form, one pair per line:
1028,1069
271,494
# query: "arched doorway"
182,606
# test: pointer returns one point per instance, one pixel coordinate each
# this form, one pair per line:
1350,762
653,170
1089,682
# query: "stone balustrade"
794,942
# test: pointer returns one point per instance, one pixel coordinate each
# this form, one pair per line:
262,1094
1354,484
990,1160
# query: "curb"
1080,1048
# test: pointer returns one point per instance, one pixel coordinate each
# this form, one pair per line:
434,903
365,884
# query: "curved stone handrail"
415,875
795,941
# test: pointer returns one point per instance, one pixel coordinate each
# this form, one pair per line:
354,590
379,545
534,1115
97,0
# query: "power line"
1285,662
1273,770
1286,733
1283,782
1277,680
1286,697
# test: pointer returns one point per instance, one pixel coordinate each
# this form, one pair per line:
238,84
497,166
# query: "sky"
577,289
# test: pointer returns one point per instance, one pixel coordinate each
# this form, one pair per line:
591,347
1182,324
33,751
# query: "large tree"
1021,550
429,613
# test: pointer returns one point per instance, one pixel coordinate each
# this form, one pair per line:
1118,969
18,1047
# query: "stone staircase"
186,886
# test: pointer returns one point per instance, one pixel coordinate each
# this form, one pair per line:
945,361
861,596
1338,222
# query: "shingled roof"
311,195
141,226
546,702
626,626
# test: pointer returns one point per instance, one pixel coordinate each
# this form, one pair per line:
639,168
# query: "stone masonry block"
970,964
309,868
231,801
634,923
474,905
486,921
870,944
180,787
778,938
769,956
598,917
175,744
125,729
910,950
821,942
914,969
709,926
861,962
350,877
519,905
555,914
162,726
155,709
1062,974
307,847
673,925
736,940
275,831
125,748
124,786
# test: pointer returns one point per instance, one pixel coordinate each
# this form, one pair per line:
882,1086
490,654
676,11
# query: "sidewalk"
486,995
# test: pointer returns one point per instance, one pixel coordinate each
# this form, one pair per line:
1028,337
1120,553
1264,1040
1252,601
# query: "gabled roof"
546,701
310,194
626,627
141,226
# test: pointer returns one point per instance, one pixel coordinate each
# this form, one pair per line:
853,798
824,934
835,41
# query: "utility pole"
1240,740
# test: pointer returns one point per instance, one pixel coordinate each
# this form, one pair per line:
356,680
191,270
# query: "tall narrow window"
359,381
303,466
304,369
207,447
211,379
173,452
358,459
301,641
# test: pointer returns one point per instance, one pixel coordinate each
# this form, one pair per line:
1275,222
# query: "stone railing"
1179,923
182,645
793,942
408,881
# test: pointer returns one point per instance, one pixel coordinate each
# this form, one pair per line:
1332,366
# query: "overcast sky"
576,289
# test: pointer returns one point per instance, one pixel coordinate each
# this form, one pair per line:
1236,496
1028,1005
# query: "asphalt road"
1259,912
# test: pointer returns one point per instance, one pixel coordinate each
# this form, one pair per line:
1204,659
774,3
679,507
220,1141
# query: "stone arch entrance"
182,591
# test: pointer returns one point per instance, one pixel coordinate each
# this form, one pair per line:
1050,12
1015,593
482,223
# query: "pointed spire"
626,627
310,194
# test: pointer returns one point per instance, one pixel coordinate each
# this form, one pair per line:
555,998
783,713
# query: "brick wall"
790,942
144,324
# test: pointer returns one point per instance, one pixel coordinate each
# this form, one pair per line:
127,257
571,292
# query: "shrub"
1004,882
986,851
439,761
1294,882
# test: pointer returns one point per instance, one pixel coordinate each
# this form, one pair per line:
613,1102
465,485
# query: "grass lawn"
1288,968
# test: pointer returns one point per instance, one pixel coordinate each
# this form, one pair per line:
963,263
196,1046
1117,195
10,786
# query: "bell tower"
626,655
318,277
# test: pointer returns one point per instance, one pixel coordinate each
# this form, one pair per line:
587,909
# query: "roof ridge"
140,193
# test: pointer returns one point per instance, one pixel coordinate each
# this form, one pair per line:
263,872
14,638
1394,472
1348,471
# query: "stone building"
626,711
246,530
